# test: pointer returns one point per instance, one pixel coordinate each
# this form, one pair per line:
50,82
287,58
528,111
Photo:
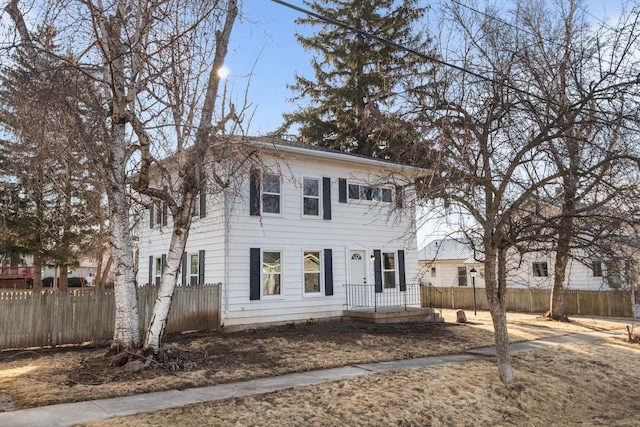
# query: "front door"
358,268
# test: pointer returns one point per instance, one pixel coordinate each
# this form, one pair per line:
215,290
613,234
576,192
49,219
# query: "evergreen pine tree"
47,184
356,98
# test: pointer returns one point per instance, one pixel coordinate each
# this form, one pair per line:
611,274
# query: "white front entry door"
358,266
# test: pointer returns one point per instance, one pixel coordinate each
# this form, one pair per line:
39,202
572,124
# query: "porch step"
394,315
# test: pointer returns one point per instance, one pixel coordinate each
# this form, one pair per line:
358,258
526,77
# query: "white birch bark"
191,169
168,281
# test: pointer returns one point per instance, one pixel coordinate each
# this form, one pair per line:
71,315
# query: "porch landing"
394,315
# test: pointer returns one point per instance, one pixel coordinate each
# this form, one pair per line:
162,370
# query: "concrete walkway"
83,412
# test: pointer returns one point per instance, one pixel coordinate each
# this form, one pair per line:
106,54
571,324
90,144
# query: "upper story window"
433,272
271,194
196,208
540,269
362,192
311,196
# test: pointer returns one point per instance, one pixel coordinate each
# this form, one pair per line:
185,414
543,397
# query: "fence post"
530,301
56,316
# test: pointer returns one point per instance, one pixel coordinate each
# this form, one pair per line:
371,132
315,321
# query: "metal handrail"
437,302
365,296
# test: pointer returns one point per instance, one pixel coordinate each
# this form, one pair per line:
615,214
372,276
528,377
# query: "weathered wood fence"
50,318
613,303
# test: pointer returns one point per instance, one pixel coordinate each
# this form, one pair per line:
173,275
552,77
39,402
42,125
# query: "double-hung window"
271,194
194,271
312,276
271,272
596,267
540,269
158,270
311,196
389,269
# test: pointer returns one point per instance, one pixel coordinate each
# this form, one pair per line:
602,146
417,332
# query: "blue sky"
264,49
264,55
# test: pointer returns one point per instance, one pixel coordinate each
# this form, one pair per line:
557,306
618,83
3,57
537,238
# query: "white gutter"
342,157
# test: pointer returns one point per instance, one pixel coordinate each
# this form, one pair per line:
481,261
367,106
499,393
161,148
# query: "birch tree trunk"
126,333
168,281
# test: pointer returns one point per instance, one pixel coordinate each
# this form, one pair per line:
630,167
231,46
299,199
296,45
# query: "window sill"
312,295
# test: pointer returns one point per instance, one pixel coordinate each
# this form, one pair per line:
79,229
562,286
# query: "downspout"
227,226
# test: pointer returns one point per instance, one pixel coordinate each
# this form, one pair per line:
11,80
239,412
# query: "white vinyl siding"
365,226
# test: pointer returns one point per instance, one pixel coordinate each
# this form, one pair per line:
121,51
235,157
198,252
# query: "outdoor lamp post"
473,273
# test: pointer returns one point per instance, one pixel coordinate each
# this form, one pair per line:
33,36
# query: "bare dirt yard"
595,383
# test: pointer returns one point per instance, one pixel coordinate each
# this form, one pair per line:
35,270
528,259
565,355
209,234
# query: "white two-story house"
448,262
297,231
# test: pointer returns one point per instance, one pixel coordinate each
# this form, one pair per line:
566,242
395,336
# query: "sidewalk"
84,412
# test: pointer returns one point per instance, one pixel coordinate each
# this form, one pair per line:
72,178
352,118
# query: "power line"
415,52
403,47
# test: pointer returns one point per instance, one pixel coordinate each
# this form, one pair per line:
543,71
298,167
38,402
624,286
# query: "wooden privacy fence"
613,303
50,318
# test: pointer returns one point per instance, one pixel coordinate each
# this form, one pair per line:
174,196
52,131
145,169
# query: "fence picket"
49,318
613,303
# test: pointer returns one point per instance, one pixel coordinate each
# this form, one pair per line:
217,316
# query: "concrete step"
394,315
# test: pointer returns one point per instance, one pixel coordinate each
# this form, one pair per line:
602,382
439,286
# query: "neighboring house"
21,277
287,241
447,262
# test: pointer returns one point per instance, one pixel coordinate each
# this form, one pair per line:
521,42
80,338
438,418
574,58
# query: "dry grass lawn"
42,377
588,384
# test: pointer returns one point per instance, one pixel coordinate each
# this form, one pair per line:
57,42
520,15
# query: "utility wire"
404,48
415,52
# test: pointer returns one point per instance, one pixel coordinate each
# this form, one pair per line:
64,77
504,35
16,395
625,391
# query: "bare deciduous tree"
505,130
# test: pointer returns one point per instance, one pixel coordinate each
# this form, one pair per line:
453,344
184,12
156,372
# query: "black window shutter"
342,190
165,212
328,272
163,263
185,266
201,267
203,203
254,274
151,270
254,193
401,273
151,214
326,197
377,269
399,197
